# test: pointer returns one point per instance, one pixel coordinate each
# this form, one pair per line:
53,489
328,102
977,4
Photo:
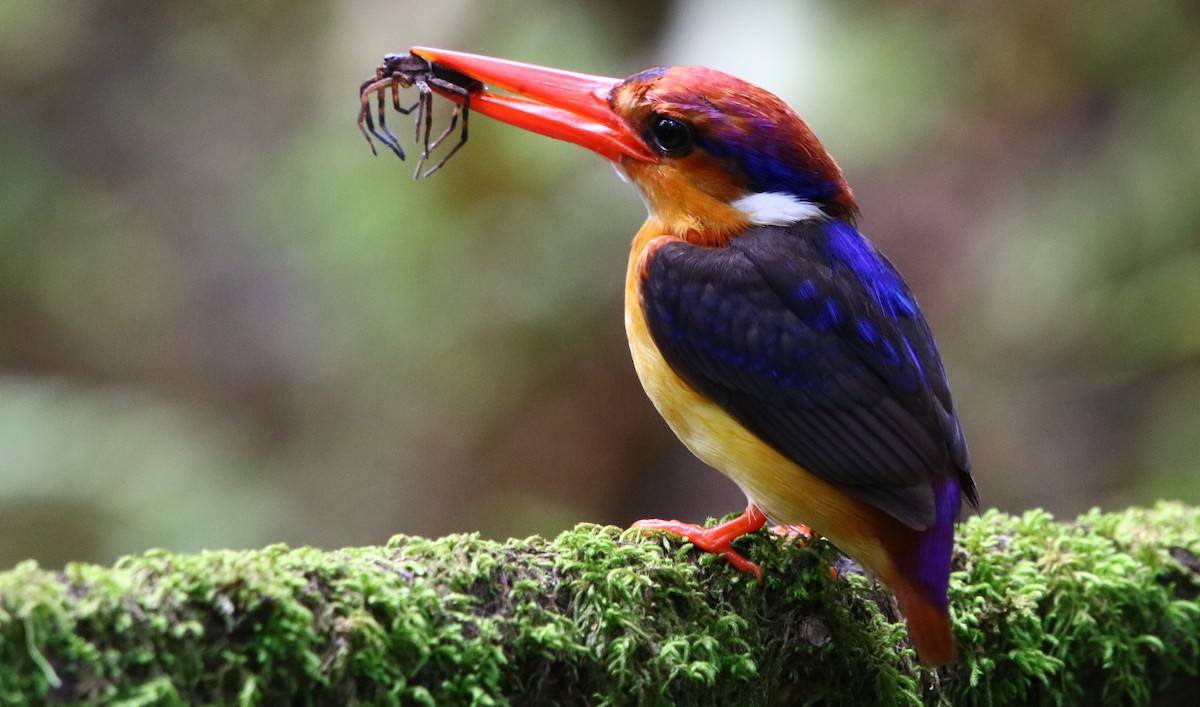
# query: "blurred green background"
224,324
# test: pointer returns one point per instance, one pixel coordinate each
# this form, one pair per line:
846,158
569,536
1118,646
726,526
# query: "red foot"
718,539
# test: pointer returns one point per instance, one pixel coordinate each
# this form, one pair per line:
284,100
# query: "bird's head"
711,154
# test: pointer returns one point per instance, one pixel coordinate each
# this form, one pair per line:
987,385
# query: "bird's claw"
797,534
704,538
718,539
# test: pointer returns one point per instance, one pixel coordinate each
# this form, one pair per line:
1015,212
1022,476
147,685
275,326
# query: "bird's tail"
925,576
928,624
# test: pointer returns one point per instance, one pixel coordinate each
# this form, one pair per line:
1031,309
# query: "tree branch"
1101,610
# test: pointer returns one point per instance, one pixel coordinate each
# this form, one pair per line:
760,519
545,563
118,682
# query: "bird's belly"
776,484
785,491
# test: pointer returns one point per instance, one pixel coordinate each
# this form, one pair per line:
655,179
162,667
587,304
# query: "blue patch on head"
648,74
770,165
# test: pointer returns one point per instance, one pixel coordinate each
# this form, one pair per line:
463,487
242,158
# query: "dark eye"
670,136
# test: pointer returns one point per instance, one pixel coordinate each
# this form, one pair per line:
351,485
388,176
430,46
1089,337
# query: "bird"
779,344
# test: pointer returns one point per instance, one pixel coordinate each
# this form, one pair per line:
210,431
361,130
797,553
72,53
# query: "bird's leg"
717,539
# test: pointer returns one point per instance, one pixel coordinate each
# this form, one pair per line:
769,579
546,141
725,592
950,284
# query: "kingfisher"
781,347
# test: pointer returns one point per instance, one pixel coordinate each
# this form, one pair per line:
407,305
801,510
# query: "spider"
402,71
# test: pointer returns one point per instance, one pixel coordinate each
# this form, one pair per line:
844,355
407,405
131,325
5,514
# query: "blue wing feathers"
810,338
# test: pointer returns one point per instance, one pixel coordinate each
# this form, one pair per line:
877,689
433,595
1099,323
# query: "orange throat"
696,208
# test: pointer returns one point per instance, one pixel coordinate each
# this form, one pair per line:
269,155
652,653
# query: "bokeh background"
223,323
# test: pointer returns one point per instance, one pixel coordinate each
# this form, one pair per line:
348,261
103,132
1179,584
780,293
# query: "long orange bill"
560,104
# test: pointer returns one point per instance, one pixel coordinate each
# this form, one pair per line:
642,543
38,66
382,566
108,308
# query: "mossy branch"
1101,610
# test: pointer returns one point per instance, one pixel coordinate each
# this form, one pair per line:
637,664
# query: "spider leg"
364,113
392,141
449,128
465,110
420,106
466,113
364,119
427,113
365,122
396,100
452,88
427,96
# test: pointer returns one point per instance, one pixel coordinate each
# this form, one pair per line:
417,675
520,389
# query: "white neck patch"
773,208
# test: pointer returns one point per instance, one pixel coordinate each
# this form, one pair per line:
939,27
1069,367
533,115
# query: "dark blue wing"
809,338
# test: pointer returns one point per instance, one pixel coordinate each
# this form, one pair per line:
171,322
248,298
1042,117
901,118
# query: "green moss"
1100,610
